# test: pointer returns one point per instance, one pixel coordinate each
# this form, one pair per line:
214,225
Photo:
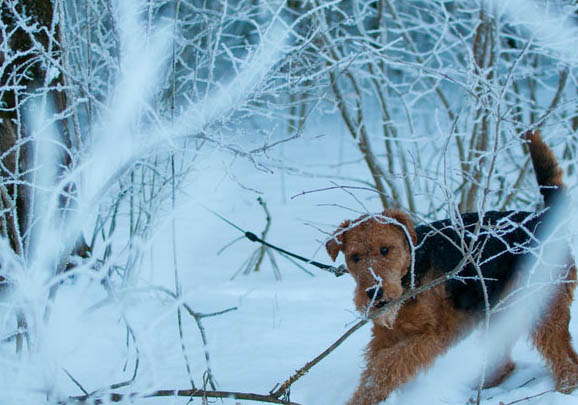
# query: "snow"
277,326
280,325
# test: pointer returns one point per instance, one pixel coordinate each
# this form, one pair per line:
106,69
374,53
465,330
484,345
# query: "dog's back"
503,240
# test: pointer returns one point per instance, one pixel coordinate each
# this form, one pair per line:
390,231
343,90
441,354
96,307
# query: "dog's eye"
355,257
384,250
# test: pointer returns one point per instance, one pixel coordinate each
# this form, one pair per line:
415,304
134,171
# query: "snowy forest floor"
278,325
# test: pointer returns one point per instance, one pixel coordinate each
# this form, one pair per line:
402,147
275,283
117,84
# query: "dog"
387,256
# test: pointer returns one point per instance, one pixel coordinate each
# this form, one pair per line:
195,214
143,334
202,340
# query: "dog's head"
378,255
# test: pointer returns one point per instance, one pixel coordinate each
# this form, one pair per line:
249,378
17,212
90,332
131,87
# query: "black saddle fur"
500,249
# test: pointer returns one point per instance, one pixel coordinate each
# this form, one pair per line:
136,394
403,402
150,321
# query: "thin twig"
75,381
262,249
534,396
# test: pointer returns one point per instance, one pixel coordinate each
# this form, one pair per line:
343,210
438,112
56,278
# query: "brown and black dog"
408,337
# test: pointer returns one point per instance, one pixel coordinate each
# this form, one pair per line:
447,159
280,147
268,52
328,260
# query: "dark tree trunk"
26,57
24,71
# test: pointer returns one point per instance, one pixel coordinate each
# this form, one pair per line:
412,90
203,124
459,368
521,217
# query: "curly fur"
377,250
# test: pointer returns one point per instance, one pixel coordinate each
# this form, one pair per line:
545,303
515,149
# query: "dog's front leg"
388,368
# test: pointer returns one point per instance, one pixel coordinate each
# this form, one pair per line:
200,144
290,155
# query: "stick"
116,397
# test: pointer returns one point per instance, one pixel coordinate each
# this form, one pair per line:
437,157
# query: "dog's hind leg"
552,338
500,370
500,363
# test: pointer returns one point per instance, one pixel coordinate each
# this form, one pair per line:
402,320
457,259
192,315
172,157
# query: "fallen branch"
305,369
529,397
117,397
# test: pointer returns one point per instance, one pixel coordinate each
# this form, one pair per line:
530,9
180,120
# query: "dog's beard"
386,318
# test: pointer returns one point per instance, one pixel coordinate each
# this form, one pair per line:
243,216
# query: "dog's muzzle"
376,294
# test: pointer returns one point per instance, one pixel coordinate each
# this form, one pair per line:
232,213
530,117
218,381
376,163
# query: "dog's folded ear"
403,219
335,244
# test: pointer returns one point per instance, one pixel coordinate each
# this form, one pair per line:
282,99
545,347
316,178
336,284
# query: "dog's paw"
364,395
499,374
567,380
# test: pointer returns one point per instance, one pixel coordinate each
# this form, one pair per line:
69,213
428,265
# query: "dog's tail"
548,172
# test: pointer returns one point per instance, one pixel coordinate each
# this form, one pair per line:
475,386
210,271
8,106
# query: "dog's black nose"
374,293
381,303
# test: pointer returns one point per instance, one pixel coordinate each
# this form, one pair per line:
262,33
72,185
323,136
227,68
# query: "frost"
149,111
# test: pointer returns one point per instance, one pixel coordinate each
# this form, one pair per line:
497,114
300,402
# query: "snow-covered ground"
278,325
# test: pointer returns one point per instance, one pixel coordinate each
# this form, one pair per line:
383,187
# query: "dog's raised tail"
548,172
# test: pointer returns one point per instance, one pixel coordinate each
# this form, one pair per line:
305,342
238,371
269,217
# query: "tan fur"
408,339
552,337
546,167
500,372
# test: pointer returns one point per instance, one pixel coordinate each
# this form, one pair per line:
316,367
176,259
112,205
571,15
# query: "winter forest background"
126,125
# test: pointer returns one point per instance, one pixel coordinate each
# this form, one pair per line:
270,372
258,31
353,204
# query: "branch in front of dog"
277,393
485,193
